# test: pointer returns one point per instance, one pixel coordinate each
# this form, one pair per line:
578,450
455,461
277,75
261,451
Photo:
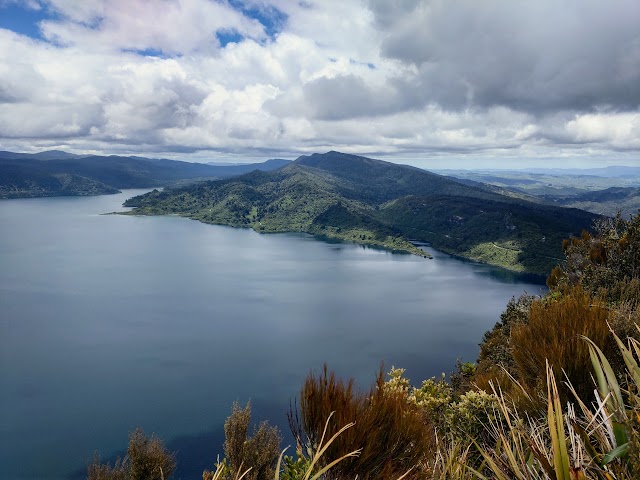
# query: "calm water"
110,322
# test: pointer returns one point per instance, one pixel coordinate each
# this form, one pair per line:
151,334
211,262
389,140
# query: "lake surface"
109,322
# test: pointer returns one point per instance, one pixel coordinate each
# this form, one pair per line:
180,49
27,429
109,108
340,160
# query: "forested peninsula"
372,202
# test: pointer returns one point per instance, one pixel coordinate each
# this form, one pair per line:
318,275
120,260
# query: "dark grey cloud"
7,95
349,96
537,56
156,103
50,121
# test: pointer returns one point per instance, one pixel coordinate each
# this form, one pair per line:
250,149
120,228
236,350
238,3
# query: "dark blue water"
110,322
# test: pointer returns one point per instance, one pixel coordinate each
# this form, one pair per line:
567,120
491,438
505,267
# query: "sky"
433,83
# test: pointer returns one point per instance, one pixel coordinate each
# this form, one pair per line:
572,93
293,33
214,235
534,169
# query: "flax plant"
579,442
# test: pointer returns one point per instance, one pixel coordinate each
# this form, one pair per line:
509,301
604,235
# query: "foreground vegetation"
555,394
372,202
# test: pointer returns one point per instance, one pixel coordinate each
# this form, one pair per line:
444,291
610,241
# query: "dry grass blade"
450,464
279,464
241,476
219,474
322,447
405,474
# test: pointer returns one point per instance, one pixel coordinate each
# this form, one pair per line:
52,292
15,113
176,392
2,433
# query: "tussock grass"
393,436
553,334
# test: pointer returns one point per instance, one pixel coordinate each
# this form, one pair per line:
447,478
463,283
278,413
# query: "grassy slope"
379,203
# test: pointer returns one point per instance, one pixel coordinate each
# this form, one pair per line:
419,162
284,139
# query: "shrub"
259,453
586,441
495,348
433,399
606,264
146,459
495,363
472,415
463,378
457,417
104,471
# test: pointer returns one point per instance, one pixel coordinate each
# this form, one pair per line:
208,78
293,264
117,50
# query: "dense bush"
605,264
456,417
495,360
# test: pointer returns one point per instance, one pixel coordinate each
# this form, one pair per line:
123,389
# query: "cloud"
170,26
620,131
348,96
27,4
399,79
531,56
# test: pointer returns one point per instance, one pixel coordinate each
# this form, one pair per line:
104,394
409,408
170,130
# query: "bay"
109,322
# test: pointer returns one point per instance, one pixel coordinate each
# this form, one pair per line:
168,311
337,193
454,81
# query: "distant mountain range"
610,201
48,155
605,191
56,173
373,202
615,171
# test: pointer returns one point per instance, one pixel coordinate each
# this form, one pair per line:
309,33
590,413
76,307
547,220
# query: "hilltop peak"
343,162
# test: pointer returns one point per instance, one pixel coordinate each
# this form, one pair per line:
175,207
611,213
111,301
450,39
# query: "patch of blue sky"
369,65
148,52
19,18
272,19
228,36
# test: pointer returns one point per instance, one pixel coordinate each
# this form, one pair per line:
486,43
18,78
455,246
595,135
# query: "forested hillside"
17,181
379,203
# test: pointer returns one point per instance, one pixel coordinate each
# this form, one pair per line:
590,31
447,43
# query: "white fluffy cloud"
407,80
167,25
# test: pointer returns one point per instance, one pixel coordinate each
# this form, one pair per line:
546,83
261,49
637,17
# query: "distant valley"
369,201
605,191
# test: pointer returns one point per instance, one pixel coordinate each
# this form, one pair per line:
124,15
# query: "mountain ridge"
34,175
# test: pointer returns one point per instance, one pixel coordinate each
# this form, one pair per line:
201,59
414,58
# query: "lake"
109,322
